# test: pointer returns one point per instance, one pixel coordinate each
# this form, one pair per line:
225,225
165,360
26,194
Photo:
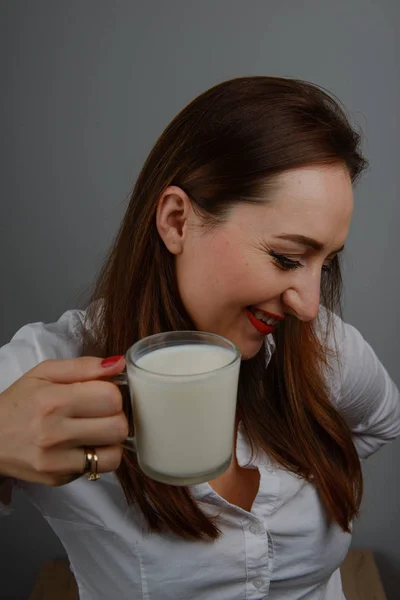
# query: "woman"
235,226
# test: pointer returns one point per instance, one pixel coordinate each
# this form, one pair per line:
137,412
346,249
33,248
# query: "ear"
173,209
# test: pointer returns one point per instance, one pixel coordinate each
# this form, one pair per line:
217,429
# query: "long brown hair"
223,148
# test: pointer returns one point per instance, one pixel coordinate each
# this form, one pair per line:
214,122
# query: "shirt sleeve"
37,342
31,345
362,389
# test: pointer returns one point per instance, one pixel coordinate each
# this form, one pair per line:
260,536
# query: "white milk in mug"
184,390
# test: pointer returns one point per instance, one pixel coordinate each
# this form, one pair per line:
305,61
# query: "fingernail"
112,360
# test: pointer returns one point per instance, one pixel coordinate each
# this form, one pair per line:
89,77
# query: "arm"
31,345
363,391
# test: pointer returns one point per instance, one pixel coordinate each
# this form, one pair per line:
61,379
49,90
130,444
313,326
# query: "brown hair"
223,148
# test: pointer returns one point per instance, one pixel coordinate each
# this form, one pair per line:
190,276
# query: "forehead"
313,201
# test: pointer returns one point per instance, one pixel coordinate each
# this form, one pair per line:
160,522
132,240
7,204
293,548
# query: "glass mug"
183,388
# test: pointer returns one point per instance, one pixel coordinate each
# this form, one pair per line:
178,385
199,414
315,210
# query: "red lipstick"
261,327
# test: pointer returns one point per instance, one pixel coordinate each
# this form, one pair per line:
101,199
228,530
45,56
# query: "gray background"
87,86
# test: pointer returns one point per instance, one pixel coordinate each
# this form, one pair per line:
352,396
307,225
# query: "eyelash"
286,263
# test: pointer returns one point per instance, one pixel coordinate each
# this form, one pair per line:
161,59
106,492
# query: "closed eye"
327,268
284,262
331,263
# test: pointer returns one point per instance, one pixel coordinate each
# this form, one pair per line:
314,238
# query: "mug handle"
120,380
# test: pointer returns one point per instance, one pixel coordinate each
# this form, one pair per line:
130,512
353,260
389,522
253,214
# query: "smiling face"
265,260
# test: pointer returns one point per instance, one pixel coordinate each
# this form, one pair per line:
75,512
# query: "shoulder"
348,354
339,338
36,342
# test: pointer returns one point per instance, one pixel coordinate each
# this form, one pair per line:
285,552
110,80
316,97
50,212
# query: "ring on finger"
91,467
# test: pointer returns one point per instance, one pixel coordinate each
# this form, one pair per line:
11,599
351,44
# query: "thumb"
78,369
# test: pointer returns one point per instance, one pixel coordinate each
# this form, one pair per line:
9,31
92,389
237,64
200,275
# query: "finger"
76,369
107,431
61,464
109,458
88,399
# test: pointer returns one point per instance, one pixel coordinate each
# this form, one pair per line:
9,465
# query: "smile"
262,321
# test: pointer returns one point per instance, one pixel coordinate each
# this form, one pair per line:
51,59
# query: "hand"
50,414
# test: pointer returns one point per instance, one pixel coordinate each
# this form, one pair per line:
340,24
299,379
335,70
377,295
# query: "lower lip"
261,327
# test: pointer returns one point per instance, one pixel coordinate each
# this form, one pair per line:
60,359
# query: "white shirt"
284,549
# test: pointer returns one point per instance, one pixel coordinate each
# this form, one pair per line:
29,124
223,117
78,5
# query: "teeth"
264,318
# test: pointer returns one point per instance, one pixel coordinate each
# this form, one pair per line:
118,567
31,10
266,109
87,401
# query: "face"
265,261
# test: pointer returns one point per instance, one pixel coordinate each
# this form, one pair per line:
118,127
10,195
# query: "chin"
249,349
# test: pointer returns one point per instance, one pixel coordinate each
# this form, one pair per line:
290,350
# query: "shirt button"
255,528
258,582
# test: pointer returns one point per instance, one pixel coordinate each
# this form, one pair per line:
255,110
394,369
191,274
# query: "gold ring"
91,464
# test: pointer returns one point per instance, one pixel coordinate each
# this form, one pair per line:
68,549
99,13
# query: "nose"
302,298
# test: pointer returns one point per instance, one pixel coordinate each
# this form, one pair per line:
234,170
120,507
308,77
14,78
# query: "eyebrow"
306,241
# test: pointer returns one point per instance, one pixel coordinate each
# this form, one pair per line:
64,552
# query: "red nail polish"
112,360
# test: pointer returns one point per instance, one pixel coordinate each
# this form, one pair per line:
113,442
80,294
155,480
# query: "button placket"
255,528
257,559
258,582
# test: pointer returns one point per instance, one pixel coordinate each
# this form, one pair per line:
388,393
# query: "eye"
284,262
328,266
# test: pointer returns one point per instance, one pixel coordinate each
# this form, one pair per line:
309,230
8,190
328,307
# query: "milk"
184,404
185,359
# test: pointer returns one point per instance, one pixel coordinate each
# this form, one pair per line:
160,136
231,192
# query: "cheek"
222,274
212,270
225,270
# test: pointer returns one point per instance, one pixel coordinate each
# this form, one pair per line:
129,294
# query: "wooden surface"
359,575
55,582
